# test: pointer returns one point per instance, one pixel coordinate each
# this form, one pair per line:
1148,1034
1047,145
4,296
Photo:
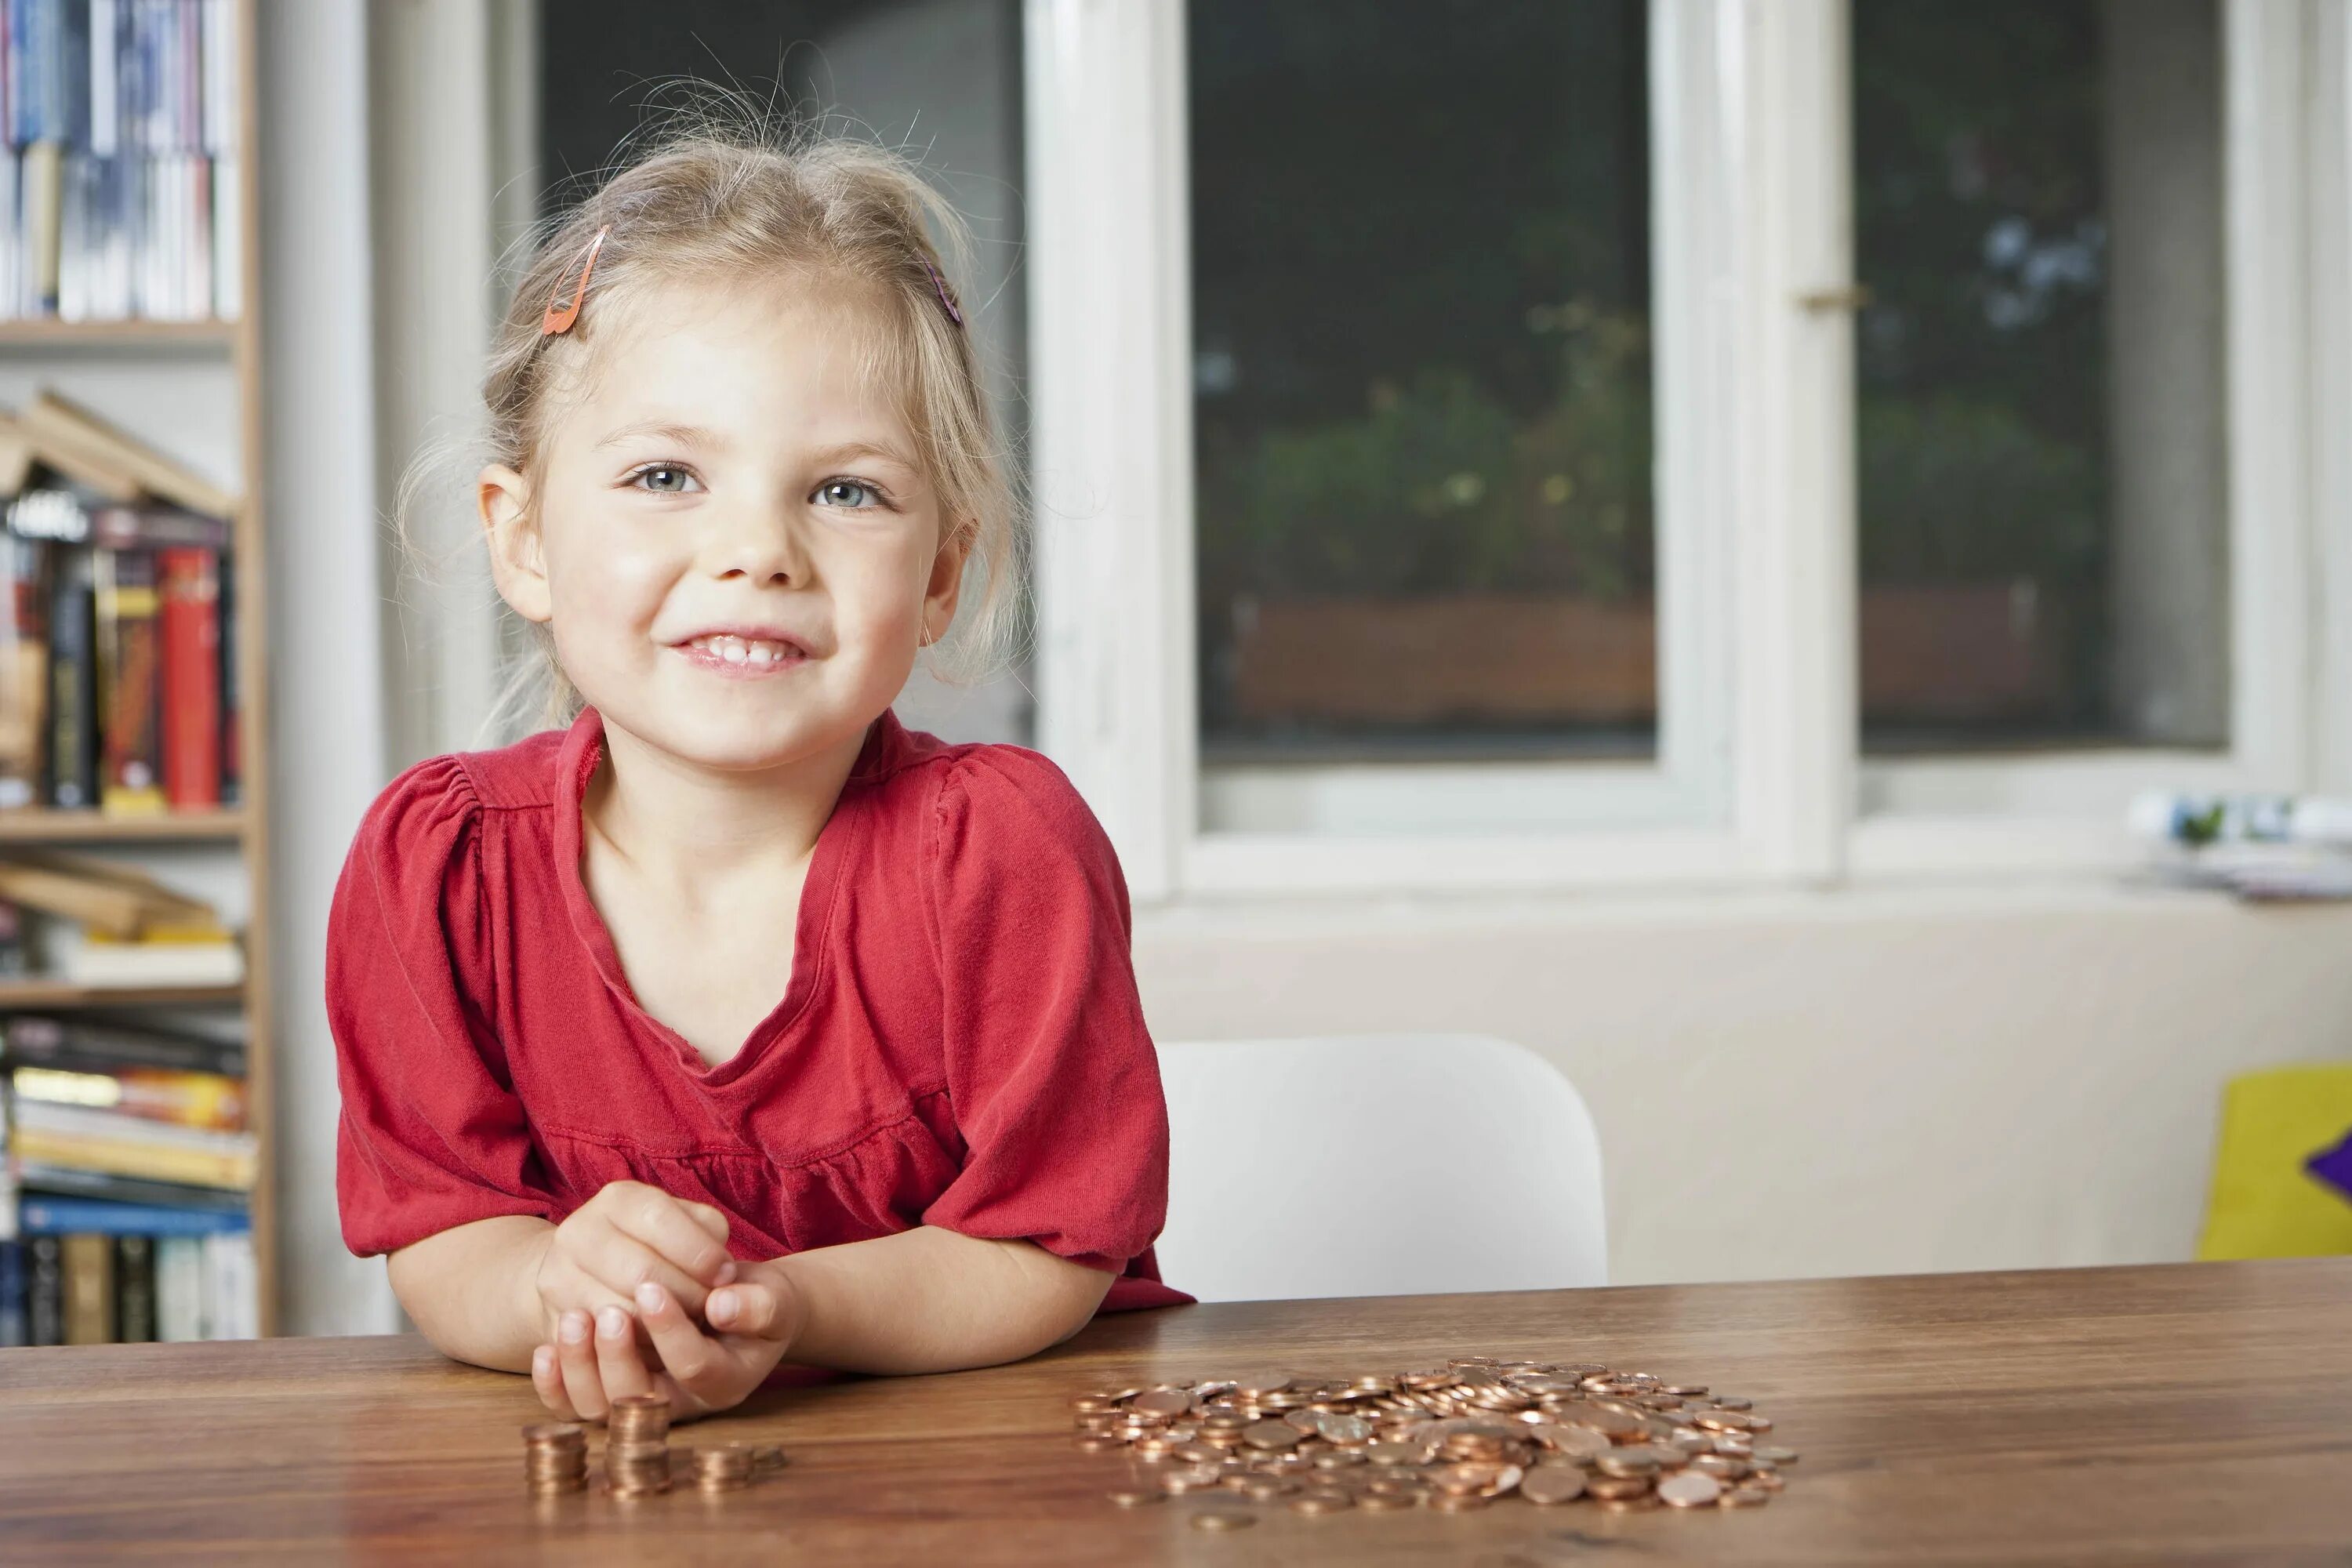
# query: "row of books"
97,922
117,637
132,1158
122,187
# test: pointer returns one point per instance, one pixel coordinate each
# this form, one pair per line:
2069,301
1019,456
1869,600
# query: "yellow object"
2264,1204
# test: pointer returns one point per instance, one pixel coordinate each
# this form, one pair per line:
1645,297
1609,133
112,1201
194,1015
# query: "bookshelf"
192,389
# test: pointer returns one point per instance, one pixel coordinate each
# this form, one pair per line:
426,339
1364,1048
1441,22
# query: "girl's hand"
580,1375
630,1235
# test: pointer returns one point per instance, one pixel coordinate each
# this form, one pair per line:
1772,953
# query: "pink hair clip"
947,296
562,312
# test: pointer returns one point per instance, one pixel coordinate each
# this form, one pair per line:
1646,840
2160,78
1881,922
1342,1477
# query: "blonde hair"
728,198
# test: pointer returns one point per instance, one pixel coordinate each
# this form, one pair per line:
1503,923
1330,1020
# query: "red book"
191,696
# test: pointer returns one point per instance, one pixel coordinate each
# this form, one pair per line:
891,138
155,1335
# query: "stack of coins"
637,1446
1454,1439
725,1469
555,1457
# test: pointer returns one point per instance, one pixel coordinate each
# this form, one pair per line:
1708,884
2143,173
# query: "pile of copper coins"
1455,1440
638,1459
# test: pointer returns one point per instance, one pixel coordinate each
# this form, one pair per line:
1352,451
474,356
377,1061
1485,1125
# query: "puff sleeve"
432,1133
1052,1076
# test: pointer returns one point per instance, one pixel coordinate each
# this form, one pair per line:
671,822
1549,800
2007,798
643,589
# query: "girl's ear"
946,586
517,564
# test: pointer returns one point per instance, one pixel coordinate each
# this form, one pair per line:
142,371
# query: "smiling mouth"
741,652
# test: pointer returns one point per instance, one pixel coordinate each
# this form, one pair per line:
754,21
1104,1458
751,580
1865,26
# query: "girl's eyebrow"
844,453
663,430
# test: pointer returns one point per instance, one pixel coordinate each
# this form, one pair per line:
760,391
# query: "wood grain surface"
2189,1413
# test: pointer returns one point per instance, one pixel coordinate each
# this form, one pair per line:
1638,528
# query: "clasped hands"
639,1296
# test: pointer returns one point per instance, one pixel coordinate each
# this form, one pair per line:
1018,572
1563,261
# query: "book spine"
134,1289
232,735
90,1289
16,1327
130,743
44,199
45,1216
44,1290
201,1100
146,1161
231,1310
88,1044
24,672
73,683
192,724
179,1289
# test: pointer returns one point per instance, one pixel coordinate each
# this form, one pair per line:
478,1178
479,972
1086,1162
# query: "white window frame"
1759,774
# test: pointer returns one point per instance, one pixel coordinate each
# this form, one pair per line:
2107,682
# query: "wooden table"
2191,1413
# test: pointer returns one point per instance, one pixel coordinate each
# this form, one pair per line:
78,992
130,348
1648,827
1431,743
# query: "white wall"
1849,1083
327,715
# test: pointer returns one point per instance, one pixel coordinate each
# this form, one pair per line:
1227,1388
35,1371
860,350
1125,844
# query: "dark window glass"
1422,377
2043,488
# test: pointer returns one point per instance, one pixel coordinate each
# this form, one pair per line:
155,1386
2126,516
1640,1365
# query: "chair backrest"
1376,1165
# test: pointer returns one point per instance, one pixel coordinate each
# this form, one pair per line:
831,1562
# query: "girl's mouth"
729,653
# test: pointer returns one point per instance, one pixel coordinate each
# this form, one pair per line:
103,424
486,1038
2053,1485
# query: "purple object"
2333,1166
955,311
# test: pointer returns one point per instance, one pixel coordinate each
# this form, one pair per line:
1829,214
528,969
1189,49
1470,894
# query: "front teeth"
742,651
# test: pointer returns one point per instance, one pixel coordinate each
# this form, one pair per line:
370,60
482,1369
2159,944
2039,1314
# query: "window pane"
2038,212
1421,378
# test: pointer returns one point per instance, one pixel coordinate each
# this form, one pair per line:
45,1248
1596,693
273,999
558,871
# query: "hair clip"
562,313
947,296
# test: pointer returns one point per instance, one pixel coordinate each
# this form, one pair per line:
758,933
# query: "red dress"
961,1045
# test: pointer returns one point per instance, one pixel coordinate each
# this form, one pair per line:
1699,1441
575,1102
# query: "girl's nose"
760,544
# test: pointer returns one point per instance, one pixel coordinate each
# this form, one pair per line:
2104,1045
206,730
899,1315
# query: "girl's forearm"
471,1289
934,1301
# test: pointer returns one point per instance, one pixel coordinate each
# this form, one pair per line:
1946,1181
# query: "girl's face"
732,542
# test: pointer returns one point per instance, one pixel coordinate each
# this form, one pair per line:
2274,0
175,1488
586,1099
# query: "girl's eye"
855,494
664,478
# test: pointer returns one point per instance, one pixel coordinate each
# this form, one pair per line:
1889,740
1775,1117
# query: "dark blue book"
64,1181
73,681
44,1290
14,1328
42,1214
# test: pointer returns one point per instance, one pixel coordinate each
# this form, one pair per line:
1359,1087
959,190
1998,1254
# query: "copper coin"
1627,1462
1322,1502
1303,1422
1773,1454
1270,1435
1759,1422
1721,1421
1689,1489
1640,1503
1574,1442
1608,1423
1267,1488
1770,1481
1723,1467
1344,1428
570,1434
1134,1496
1687,1390
1549,1484
1732,1402
1744,1497
1605,1489
1222,1519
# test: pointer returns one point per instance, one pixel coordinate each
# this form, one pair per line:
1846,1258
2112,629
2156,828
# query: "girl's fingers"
677,1233
575,1360
752,1307
547,1378
621,1262
690,1357
621,1370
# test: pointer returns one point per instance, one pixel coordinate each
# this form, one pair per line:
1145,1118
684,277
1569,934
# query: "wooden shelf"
26,995
50,334
47,825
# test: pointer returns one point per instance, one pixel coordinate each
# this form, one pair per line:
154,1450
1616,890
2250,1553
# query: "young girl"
735,1022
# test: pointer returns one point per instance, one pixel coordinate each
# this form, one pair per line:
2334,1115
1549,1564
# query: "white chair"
1376,1165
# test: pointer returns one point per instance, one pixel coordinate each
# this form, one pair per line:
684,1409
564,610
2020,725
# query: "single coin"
1640,1503
1549,1484
1759,1422
1322,1502
1267,1488
1722,1421
1344,1428
1690,1490
1770,1481
1163,1402
1303,1422
1722,1467
1732,1402
1748,1496
1270,1435
1134,1496
1608,1489
1458,1502
1773,1454
1627,1462
1222,1519
1609,1423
